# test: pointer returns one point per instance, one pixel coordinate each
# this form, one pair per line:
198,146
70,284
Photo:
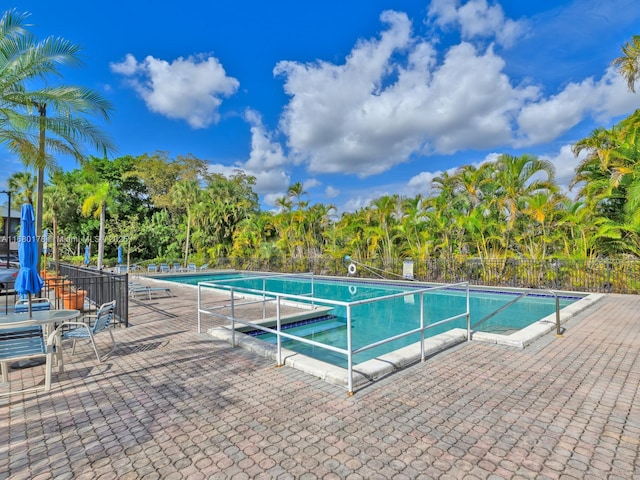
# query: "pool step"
314,328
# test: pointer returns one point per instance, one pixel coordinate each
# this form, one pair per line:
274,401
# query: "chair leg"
95,348
112,340
5,371
47,375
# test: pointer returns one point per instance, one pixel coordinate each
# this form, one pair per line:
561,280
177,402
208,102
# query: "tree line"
173,209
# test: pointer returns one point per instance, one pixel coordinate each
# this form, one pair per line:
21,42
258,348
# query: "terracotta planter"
62,287
74,300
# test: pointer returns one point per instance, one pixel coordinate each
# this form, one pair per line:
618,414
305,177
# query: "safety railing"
520,297
228,285
241,293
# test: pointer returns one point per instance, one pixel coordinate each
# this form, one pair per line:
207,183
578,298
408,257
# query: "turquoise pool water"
375,321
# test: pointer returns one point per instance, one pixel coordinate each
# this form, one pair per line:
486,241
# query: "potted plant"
74,299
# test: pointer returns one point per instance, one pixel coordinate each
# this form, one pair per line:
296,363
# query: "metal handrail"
523,295
349,351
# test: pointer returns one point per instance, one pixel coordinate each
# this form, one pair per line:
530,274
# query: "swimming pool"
372,322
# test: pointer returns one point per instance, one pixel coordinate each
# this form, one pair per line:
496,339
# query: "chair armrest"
70,322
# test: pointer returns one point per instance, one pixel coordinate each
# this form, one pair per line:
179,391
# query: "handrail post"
278,337
558,329
264,298
422,326
349,352
468,315
199,308
233,320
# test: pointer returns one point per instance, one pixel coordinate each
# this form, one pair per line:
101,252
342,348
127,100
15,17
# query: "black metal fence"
78,288
98,286
604,276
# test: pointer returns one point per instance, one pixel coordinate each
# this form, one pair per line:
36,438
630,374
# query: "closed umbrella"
119,254
28,281
87,254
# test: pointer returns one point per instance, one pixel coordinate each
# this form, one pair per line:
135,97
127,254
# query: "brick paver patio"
173,404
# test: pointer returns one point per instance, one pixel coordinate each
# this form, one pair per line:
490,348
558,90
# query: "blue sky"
354,99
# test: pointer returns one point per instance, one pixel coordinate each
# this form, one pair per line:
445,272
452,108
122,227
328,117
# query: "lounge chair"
101,322
177,267
204,267
151,268
192,267
164,268
136,289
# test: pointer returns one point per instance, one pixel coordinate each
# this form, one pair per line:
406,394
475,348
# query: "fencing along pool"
373,322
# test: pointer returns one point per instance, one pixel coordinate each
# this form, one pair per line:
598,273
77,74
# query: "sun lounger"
136,289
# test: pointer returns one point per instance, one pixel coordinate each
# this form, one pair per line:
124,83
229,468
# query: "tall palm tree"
34,123
628,65
184,196
96,203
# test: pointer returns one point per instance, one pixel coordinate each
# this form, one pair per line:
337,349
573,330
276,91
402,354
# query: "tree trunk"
42,109
103,220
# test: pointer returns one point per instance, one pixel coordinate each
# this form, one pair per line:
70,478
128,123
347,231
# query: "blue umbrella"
87,254
28,281
119,254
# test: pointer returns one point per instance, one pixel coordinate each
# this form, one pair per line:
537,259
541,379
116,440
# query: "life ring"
352,289
352,269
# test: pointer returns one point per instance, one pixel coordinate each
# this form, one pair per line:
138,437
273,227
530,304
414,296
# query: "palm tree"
35,123
184,195
97,203
23,186
628,65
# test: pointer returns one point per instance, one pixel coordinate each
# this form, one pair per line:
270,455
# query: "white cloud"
373,112
311,183
331,192
357,203
477,19
565,163
271,199
393,100
549,118
188,89
267,161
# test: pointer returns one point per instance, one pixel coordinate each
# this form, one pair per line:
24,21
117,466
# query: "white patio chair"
81,330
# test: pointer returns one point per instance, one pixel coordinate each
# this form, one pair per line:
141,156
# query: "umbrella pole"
29,304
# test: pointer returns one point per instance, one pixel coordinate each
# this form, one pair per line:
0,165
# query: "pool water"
372,322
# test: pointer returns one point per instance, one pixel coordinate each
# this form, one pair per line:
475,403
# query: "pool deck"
174,404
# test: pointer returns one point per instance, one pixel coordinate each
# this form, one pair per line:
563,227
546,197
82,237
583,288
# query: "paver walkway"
173,404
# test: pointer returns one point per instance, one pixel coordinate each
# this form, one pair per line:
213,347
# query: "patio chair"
37,304
177,267
81,330
151,268
204,267
164,268
191,267
25,341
